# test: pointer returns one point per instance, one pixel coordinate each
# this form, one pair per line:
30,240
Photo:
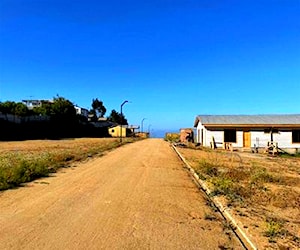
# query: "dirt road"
135,197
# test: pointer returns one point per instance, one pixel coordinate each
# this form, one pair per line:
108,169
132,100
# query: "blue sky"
172,59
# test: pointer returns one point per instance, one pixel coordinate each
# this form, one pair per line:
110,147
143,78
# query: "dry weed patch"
27,160
258,189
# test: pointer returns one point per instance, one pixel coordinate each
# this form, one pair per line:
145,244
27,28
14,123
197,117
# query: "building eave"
252,121
196,121
257,126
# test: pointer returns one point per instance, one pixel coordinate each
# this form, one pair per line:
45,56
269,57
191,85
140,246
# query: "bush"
172,137
260,175
208,168
274,229
232,190
22,170
223,186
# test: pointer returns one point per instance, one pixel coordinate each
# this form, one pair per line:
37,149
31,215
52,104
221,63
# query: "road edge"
242,236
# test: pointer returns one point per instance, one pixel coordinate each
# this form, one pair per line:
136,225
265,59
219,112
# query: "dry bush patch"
263,192
24,161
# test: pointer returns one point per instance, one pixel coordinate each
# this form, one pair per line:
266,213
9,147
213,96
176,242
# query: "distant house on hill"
81,111
246,131
31,104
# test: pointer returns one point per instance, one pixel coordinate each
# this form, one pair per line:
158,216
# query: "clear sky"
172,59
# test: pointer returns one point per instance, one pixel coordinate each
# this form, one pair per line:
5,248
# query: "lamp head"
124,103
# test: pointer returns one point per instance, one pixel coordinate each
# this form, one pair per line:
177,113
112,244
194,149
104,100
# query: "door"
247,139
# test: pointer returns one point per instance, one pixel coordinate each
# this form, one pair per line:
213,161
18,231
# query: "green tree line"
61,109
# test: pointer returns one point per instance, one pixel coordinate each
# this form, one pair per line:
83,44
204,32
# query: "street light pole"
122,119
142,123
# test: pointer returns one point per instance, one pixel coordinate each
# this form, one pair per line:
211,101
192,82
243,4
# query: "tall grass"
20,167
16,169
236,183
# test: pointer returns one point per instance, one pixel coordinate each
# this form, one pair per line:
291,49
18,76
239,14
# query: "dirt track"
135,197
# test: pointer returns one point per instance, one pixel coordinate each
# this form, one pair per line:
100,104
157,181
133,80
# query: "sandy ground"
135,197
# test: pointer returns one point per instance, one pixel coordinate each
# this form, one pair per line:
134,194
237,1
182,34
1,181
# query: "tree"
117,118
13,108
62,109
8,107
21,109
45,109
98,109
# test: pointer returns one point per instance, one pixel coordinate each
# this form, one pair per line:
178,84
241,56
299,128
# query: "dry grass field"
53,146
262,192
23,161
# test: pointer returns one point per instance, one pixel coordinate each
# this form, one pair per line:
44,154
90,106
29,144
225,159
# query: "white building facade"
249,131
81,111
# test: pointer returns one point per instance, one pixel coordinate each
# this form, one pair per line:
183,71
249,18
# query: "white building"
31,104
246,131
81,111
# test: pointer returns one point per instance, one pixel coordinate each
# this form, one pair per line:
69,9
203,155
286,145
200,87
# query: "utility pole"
122,119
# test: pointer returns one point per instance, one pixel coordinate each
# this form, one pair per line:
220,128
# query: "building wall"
258,138
203,136
239,139
81,111
283,138
218,137
116,131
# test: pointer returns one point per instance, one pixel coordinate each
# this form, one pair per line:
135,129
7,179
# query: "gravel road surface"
135,197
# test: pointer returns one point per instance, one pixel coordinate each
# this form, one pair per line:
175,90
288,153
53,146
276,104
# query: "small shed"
127,130
116,131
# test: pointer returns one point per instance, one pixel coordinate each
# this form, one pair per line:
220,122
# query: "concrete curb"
247,243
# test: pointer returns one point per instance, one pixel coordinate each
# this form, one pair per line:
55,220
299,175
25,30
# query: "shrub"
223,186
208,168
237,174
274,229
232,190
172,137
22,170
260,175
